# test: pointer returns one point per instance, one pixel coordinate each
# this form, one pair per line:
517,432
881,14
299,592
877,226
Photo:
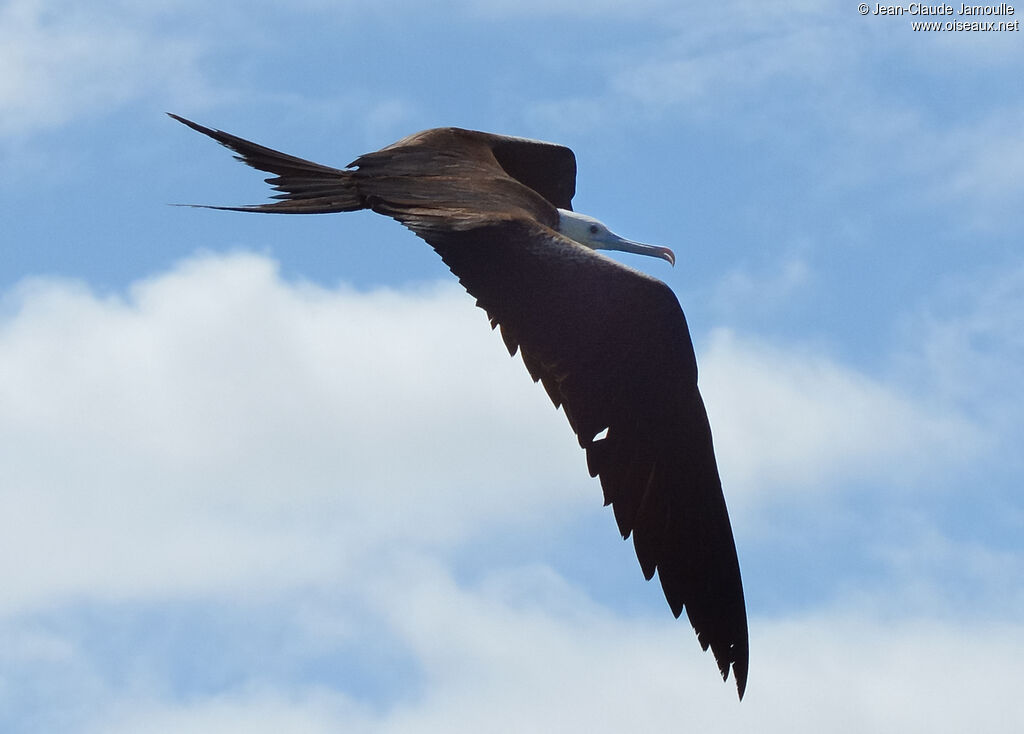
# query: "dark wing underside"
612,349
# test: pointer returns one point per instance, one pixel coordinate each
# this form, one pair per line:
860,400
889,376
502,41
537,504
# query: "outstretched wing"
612,348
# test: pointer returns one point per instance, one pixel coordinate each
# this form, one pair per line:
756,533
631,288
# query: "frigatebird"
609,344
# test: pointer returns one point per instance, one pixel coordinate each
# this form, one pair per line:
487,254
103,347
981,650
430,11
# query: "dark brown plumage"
609,344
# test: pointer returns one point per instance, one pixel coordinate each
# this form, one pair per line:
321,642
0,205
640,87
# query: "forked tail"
306,187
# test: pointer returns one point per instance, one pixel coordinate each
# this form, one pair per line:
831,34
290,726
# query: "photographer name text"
944,9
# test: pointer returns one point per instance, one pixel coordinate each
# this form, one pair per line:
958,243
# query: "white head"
595,235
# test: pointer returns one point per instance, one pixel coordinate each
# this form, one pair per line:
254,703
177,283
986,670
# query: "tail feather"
307,187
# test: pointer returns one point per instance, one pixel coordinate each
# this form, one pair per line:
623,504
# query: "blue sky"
271,474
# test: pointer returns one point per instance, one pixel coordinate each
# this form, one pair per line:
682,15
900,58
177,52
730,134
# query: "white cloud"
220,420
61,60
797,421
219,436
489,662
599,672
245,712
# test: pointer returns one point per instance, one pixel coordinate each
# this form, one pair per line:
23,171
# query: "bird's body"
609,344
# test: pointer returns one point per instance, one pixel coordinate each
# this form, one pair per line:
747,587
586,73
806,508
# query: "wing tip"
735,657
740,674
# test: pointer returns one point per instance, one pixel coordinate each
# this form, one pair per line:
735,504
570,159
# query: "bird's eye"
593,229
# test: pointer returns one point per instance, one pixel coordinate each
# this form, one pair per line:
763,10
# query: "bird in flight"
609,344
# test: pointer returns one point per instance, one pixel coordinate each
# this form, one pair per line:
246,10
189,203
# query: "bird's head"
595,235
